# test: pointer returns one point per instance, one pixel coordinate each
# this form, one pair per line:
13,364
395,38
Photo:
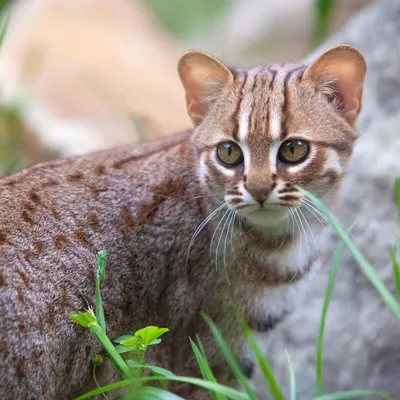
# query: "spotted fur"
185,233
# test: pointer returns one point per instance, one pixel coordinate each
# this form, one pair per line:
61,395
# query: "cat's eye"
229,154
293,151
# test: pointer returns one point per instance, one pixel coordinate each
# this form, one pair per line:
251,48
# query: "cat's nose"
260,193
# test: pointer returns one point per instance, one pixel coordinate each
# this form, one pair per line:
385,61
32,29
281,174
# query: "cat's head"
261,131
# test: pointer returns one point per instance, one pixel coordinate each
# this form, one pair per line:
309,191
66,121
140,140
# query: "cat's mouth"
266,215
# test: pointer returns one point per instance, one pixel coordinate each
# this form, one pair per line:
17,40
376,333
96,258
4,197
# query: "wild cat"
204,220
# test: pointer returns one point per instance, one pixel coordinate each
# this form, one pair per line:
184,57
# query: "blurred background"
82,75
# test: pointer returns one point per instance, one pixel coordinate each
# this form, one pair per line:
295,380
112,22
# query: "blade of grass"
101,262
366,267
232,394
354,394
328,294
268,374
396,270
230,359
205,369
114,357
292,377
323,13
397,190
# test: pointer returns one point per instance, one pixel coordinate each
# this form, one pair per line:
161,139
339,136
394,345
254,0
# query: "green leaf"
396,270
366,267
353,394
150,333
232,394
125,349
161,371
122,338
84,319
155,341
101,263
268,374
205,369
132,342
328,294
230,359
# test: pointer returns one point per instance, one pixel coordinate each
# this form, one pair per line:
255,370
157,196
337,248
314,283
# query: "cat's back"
54,217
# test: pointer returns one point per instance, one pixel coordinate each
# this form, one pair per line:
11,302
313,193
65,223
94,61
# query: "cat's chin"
267,217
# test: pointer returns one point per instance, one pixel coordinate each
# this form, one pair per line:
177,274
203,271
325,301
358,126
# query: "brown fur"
143,204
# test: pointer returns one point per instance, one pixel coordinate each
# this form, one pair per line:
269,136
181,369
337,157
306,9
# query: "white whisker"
215,231
201,227
312,234
220,237
241,239
286,231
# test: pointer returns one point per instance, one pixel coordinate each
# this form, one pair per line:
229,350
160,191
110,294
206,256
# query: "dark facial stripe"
289,197
252,117
286,102
271,82
236,113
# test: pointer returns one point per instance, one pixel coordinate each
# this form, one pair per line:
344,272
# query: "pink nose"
260,193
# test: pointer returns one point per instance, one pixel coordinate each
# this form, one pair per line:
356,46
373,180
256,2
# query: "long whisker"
204,223
286,231
201,227
220,237
248,230
241,239
312,234
298,230
305,233
313,206
232,246
230,218
215,231
317,217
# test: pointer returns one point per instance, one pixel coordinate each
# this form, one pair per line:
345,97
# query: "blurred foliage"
183,17
19,146
323,12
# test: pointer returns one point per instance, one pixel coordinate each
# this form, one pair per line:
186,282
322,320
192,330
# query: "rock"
362,339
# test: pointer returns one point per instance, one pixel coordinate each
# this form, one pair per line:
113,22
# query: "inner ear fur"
340,74
204,79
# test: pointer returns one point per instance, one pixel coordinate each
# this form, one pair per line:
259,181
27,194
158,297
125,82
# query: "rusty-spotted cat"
204,220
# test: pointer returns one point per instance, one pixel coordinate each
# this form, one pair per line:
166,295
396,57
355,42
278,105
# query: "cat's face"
262,131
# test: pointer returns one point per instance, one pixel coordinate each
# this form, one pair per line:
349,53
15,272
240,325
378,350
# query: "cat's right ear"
204,79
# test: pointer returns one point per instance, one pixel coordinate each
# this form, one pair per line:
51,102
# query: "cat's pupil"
291,147
229,149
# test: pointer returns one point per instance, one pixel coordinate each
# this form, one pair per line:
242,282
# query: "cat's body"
144,204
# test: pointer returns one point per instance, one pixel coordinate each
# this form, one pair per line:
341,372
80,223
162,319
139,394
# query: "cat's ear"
340,73
204,79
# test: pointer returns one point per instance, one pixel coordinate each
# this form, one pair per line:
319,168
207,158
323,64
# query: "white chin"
267,217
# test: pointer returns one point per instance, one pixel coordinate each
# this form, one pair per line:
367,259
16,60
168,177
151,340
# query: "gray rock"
362,342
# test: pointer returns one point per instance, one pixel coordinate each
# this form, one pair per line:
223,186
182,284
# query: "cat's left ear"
340,72
204,79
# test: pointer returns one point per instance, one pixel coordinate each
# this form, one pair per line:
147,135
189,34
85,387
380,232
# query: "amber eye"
293,151
229,154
